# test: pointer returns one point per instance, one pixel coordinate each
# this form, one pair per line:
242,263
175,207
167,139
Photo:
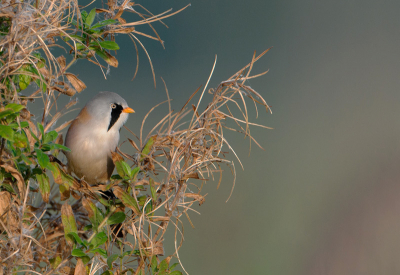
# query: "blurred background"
323,198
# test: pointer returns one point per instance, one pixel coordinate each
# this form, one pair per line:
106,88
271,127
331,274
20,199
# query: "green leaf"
123,169
84,15
68,221
24,81
6,112
147,148
153,190
61,147
163,265
173,266
55,261
154,263
126,199
44,186
42,158
25,159
134,172
104,23
78,252
120,168
88,227
15,107
67,179
41,129
90,18
116,218
77,239
103,201
111,259
99,239
109,45
95,215
142,200
176,272
101,251
7,132
20,140
85,259
23,124
8,187
129,252
77,37
50,136
41,83
107,272
149,208
111,60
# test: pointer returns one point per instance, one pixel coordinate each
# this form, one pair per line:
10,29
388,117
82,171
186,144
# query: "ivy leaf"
109,45
7,132
90,18
104,23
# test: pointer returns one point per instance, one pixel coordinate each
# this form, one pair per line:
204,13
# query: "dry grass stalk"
171,164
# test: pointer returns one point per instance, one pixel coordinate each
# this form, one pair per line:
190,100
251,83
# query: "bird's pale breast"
91,147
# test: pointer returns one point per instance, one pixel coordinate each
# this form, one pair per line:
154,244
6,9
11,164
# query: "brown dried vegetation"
65,226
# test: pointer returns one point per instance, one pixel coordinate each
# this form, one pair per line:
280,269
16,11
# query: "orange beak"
128,110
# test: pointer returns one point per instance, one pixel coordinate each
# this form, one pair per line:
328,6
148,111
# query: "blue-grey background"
323,198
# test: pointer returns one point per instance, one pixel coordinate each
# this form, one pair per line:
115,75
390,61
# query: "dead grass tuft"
45,226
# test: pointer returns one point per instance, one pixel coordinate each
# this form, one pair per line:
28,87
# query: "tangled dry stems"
183,150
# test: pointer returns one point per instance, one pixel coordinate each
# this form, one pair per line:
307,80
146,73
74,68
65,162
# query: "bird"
93,135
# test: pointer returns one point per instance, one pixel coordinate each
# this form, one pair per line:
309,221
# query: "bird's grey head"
108,109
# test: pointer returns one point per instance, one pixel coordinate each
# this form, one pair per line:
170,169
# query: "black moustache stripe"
115,113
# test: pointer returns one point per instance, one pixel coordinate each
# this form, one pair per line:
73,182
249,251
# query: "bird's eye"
113,106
